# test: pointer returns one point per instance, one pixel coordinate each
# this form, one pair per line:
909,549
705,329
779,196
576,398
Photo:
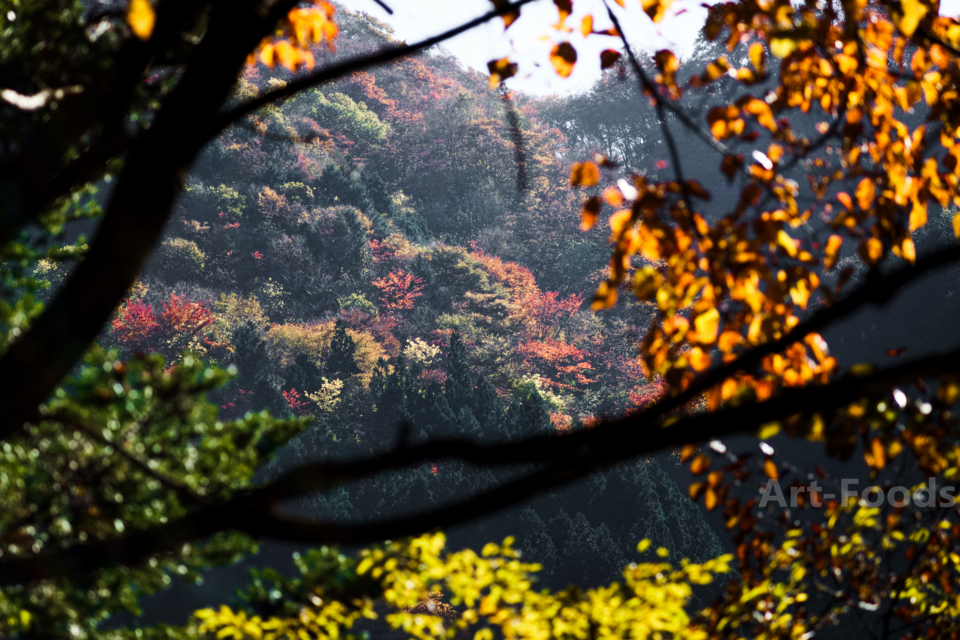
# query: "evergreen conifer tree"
487,407
527,414
340,362
303,375
459,385
250,354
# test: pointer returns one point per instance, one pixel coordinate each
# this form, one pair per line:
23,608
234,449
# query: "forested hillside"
395,256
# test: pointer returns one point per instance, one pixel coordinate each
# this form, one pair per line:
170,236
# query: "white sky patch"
531,37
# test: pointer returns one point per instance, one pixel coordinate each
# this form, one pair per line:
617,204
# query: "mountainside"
395,255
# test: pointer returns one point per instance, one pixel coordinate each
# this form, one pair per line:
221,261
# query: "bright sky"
531,37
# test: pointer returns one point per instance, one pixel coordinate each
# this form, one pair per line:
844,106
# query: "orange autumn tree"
119,473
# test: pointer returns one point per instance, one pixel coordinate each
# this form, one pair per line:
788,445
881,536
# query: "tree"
122,473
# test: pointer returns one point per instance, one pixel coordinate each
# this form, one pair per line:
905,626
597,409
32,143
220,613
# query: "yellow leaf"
832,251
584,174
707,325
912,14
563,57
141,17
956,225
782,47
758,57
768,430
620,220
586,26
909,250
918,215
699,359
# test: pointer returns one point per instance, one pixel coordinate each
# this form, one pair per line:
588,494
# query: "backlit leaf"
832,251
141,17
700,464
770,469
865,192
782,47
563,57
590,212
656,9
500,70
608,58
707,325
584,174
910,14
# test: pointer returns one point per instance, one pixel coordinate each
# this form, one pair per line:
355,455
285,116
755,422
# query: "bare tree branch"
257,512
357,64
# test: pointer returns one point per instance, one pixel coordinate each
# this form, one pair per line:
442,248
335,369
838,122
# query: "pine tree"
459,385
340,361
250,353
527,415
487,407
536,544
303,375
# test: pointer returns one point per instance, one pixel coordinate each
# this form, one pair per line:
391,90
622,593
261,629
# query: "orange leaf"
696,488
956,225
832,251
584,174
687,452
590,212
729,340
871,250
700,464
699,359
865,192
141,17
770,468
563,57
710,499
845,200
877,456
612,196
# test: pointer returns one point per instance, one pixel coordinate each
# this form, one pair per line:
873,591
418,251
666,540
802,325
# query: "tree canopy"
260,181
